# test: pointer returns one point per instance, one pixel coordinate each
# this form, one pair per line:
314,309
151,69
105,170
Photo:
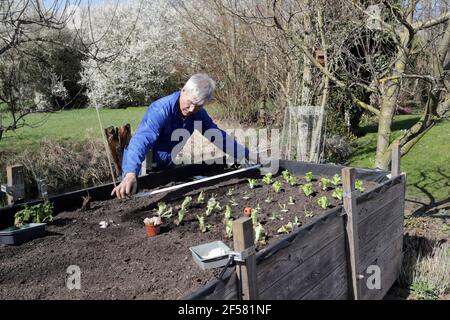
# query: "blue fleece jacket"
161,119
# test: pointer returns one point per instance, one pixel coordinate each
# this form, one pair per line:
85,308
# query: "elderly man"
177,111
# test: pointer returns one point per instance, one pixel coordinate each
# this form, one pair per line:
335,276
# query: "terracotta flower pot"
247,211
152,230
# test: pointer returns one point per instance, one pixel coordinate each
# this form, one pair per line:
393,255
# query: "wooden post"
15,180
246,271
395,161
351,227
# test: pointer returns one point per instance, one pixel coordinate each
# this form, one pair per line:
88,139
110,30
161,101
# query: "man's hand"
127,187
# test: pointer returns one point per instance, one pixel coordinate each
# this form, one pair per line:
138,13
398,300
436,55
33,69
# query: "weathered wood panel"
306,244
389,263
307,273
332,287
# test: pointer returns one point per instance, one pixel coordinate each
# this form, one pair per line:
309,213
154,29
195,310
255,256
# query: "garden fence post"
246,271
395,161
351,227
15,180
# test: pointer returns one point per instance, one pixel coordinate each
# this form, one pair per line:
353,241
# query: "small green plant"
233,202
181,214
203,226
35,214
287,228
212,205
291,201
276,186
308,214
229,228
260,234
359,186
283,207
228,213
268,199
230,192
296,222
267,179
201,198
292,180
246,195
323,202
276,216
309,176
252,183
336,180
164,211
285,174
254,216
307,189
186,203
423,290
325,183
338,193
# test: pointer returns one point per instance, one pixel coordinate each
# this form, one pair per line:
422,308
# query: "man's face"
188,105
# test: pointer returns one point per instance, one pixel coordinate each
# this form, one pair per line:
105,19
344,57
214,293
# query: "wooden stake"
15,180
246,271
395,161
348,183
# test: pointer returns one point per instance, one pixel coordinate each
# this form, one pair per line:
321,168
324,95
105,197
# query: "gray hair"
200,87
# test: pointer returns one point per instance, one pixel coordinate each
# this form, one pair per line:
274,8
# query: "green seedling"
287,228
276,186
291,201
203,226
35,214
292,180
309,176
186,203
233,202
213,205
267,179
359,186
296,222
323,202
229,228
252,183
283,207
276,216
230,192
254,216
285,174
308,214
228,213
201,198
307,189
181,214
325,183
260,234
338,193
336,180
246,195
268,199
164,211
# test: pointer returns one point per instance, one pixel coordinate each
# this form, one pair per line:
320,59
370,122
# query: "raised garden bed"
122,262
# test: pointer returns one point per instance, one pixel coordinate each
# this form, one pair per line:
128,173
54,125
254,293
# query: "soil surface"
121,262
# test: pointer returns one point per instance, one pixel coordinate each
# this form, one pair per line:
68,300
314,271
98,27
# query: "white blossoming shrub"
137,45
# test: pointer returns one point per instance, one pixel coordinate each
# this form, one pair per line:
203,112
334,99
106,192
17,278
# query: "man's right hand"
127,187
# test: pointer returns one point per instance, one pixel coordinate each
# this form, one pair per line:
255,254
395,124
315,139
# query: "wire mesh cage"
303,133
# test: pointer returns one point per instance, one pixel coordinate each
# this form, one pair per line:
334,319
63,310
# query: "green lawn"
72,125
427,165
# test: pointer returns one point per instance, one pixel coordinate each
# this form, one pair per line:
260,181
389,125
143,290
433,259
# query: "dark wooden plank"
366,208
332,287
246,271
389,263
305,245
351,231
380,220
381,241
308,273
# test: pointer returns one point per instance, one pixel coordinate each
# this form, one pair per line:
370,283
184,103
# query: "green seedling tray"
27,232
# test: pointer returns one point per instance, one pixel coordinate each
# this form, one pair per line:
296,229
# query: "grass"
71,125
426,165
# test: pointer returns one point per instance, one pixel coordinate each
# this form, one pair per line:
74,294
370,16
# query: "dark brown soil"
121,262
